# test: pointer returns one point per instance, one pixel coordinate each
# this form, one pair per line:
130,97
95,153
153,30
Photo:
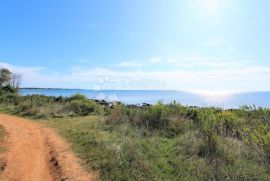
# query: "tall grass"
216,139
3,148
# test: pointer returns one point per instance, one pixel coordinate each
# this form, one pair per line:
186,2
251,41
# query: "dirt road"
36,153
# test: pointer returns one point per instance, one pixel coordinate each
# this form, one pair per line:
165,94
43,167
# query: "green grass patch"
125,152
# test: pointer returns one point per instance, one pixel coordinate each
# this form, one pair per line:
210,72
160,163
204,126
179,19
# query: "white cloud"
217,42
129,64
197,61
228,79
154,60
238,78
22,70
187,62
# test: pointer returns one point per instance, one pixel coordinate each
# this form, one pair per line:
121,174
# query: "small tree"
5,77
9,82
16,80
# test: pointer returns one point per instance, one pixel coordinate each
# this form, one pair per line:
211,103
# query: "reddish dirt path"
36,153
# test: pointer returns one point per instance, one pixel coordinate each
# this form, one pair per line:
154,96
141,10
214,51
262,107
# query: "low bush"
39,106
117,115
152,118
208,147
155,117
81,107
77,97
228,125
10,99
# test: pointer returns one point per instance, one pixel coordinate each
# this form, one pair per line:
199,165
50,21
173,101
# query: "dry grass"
3,148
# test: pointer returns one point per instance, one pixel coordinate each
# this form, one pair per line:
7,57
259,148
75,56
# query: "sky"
193,45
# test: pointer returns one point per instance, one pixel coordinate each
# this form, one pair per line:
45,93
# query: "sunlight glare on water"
215,97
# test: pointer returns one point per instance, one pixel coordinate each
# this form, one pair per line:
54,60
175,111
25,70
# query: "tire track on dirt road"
36,153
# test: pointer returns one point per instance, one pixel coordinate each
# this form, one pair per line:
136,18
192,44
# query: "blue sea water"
224,100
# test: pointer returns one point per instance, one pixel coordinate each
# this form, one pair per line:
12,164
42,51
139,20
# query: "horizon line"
191,91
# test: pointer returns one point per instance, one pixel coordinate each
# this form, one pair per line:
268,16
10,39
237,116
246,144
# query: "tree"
5,77
16,80
9,82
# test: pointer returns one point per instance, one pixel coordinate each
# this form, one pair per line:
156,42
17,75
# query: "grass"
3,148
120,154
40,106
123,152
159,142
2,133
2,137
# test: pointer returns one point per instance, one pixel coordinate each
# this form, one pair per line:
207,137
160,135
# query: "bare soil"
37,153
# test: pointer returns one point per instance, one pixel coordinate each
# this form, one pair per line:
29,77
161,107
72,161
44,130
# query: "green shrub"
228,125
10,99
27,108
81,107
77,96
60,99
156,117
117,115
152,118
208,148
8,89
260,136
193,115
49,106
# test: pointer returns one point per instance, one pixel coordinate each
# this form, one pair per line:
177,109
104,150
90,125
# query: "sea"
226,100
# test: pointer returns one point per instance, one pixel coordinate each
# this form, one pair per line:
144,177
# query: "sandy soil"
36,153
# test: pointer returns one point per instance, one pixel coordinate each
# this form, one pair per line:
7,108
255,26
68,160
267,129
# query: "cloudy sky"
211,45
